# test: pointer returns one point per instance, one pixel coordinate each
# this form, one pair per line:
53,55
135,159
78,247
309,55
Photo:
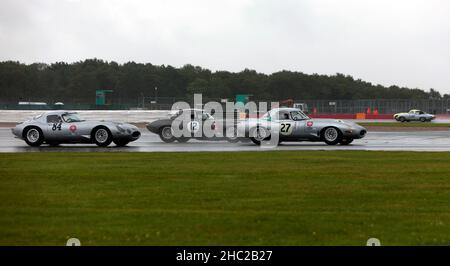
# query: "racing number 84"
56,126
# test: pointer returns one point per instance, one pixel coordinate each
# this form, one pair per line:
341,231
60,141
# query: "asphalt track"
377,141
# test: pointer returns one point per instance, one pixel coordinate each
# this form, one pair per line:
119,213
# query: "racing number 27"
285,128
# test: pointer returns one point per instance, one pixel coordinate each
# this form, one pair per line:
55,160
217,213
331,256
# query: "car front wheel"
102,137
34,137
121,143
331,135
346,141
166,135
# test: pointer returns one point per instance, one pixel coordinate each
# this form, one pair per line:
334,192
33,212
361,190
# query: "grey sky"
403,42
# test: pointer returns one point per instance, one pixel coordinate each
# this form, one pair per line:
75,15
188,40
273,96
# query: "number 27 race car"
56,127
293,125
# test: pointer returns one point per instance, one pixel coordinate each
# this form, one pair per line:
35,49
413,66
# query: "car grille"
136,134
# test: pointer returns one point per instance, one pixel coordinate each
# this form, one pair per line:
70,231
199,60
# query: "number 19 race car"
56,127
294,125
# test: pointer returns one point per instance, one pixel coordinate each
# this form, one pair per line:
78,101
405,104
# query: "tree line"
77,82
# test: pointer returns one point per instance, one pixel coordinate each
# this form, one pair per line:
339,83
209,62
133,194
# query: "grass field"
404,124
242,198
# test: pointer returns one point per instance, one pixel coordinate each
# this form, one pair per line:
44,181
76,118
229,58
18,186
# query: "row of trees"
77,82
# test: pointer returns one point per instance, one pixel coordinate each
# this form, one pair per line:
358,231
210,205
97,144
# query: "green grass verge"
404,124
245,198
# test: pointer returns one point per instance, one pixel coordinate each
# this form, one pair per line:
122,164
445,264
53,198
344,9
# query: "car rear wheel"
34,137
182,140
231,135
102,137
331,135
166,134
121,143
346,141
257,135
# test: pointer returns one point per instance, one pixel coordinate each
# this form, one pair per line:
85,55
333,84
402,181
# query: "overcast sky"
402,42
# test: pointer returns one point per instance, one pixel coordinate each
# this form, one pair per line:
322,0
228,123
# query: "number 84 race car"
56,127
294,125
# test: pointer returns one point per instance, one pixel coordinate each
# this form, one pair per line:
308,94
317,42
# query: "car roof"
186,110
59,112
415,110
289,109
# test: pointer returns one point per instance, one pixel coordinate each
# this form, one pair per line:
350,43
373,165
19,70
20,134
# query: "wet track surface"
388,141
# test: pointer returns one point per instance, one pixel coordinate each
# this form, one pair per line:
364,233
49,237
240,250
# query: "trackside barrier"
142,116
359,116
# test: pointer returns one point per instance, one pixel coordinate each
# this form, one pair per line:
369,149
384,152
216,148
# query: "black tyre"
231,135
166,134
346,141
422,119
402,119
183,140
257,135
53,143
102,136
120,143
33,136
331,135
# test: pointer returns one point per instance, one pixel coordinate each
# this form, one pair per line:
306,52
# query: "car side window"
53,119
205,116
283,115
198,115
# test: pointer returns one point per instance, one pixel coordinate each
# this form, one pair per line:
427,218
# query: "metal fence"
382,106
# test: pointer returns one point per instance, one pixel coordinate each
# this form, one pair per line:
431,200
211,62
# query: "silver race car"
294,125
57,127
414,115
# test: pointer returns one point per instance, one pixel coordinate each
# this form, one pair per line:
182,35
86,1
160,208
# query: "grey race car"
57,127
414,115
195,118
294,125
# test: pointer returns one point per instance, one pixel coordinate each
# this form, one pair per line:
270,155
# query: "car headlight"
120,128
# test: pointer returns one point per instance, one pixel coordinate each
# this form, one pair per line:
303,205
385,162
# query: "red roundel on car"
73,128
309,123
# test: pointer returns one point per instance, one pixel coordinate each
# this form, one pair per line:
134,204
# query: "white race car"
294,125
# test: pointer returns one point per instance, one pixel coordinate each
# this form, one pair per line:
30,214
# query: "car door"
417,116
303,128
57,129
421,114
412,116
286,124
194,125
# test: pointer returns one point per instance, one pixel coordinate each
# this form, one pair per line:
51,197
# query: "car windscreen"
71,118
298,115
